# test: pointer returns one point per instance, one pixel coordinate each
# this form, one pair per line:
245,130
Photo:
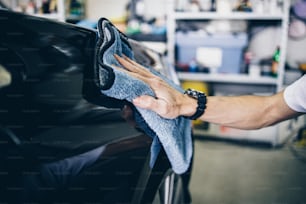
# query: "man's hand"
169,103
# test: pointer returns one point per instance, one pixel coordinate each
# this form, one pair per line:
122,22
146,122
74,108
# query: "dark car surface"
61,141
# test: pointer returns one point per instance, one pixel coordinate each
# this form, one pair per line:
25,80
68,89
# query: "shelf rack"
276,134
227,78
174,16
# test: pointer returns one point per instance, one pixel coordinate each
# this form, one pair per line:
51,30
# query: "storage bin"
232,46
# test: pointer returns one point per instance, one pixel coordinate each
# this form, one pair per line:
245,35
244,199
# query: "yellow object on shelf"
197,85
302,67
301,142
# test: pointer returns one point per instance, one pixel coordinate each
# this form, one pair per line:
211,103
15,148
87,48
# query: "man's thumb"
144,102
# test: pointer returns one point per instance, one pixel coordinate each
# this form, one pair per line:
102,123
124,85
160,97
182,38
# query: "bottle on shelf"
275,62
193,67
244,6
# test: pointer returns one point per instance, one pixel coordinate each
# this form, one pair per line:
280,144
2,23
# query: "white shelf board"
227,78
232,15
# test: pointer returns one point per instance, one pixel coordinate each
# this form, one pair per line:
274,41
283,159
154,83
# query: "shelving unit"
227,78
174,16
62,13
225,83
232,16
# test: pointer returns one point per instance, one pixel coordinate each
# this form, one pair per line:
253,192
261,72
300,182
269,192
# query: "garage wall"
116,8
105,8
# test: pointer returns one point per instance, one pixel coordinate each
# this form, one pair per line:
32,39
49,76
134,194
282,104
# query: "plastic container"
232,46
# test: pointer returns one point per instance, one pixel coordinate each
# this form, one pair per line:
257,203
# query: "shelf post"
61,10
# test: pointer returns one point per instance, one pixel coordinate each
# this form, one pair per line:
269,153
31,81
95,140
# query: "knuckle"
156,82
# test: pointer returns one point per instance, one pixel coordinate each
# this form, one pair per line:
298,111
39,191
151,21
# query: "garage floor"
233,173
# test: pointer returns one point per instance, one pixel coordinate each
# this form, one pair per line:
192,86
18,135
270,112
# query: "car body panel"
61,140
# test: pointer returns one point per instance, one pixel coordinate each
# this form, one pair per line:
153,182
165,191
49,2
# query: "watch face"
193,93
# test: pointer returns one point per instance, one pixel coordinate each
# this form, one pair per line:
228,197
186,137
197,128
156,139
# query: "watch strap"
201,101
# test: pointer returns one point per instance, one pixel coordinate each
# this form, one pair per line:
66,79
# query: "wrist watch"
201,98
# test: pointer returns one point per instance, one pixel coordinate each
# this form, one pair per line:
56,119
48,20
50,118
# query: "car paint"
50,113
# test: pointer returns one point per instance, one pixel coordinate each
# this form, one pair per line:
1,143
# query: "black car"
61,141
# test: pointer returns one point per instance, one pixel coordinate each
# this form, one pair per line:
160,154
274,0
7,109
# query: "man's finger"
133,66
134,63
150,103
133,74
145,101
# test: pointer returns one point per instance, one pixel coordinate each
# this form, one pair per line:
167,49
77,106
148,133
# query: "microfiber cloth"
174,135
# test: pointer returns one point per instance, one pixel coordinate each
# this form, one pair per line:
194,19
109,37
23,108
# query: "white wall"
96,9
116,8
155,8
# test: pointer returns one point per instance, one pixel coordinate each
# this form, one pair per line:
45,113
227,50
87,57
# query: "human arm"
244,112
248,111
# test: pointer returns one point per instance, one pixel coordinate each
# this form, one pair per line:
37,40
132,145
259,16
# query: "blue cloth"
173,134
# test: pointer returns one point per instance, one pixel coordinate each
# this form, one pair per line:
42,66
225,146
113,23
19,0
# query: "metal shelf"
59,15
232,16
282,19
227,78
223,83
